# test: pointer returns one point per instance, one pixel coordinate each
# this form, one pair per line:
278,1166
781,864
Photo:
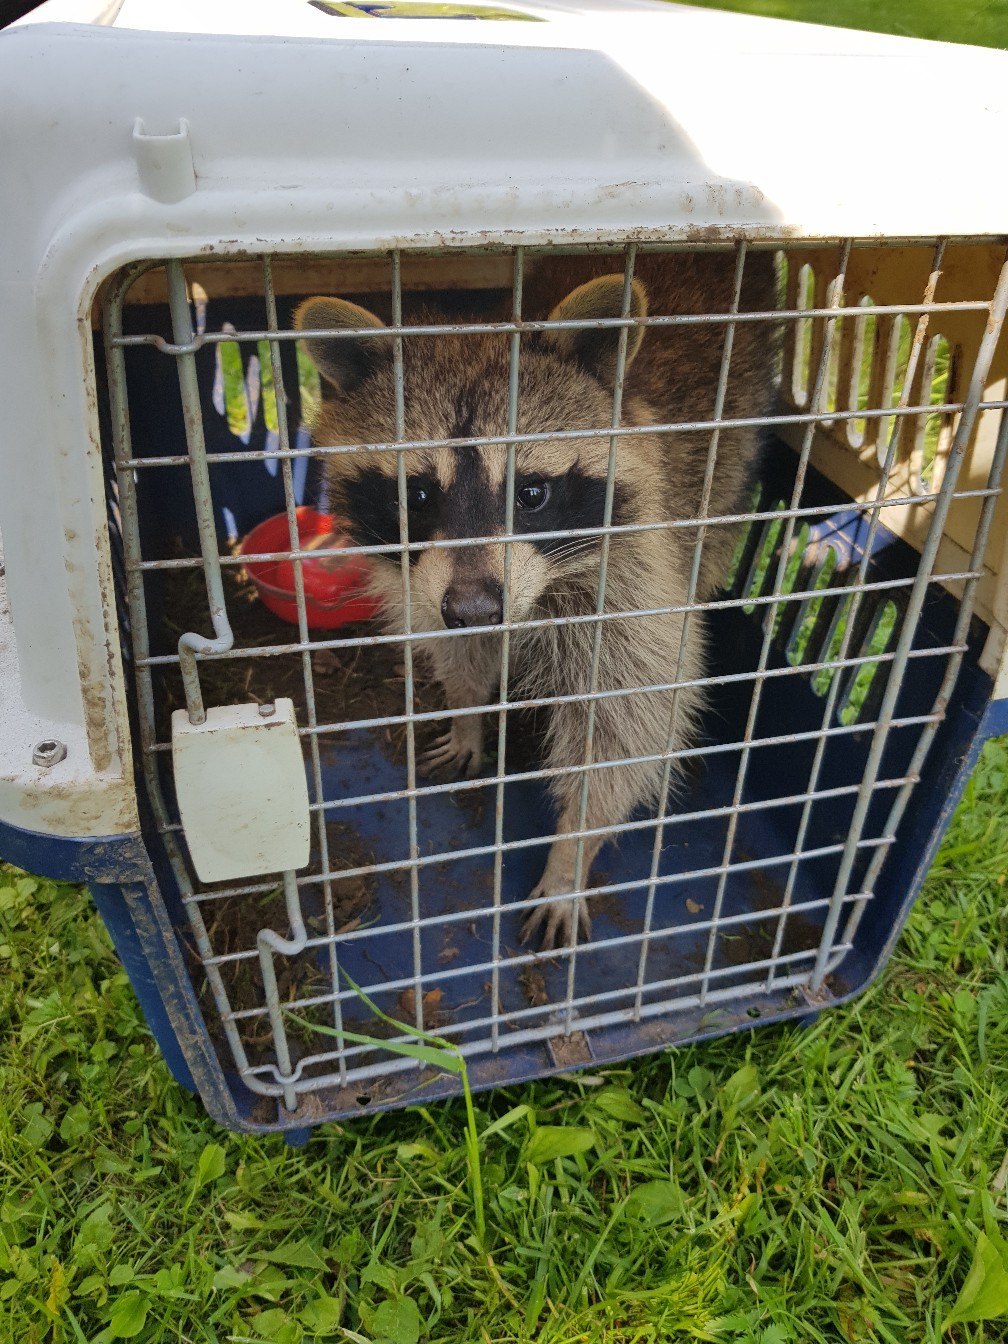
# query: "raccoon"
456,387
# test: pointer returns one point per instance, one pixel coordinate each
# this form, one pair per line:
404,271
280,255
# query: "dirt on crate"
351,683
352,897
753,941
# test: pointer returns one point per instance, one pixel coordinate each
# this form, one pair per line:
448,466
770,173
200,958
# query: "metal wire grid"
345,1060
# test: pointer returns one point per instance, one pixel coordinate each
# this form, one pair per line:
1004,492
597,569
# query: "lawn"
983,22
828,1183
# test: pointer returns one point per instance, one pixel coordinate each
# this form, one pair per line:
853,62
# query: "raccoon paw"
447,757
555,919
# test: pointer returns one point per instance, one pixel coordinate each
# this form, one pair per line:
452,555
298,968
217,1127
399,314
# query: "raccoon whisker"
367,532
570,551
571,546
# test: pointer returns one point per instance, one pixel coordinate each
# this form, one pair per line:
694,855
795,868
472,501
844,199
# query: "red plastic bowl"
335,587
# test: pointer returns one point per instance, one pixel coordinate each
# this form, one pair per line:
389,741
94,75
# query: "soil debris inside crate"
352,683
533,986
752,942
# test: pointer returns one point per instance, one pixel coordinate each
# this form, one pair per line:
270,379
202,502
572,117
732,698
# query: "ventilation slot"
868,680
894,379
862,366
931,429
802,362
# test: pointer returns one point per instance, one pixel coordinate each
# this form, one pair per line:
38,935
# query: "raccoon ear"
344,362
597,348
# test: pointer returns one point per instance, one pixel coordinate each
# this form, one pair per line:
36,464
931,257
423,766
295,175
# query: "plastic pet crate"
176,185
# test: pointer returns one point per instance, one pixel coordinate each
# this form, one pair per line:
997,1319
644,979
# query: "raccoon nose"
473,604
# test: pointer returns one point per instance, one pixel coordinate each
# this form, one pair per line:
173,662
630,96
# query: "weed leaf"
656,1202
210,1167
552,1141
984,1295
128,1315
276,1325
298,1254
620,1105
397,1322
740,1091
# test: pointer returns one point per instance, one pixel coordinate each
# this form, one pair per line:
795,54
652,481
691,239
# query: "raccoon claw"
555,918
445,757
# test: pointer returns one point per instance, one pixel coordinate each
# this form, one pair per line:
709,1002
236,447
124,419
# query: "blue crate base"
455,953
140,906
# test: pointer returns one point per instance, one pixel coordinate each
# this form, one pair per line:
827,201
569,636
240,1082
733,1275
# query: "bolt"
267,710
48,752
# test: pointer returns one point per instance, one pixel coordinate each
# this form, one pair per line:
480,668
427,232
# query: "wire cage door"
839,643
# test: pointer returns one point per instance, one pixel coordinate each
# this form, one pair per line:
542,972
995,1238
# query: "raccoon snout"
478,603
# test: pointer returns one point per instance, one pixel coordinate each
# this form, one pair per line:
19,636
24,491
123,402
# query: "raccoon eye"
532,495
418,495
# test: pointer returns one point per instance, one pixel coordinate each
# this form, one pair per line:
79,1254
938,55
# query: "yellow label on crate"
416,9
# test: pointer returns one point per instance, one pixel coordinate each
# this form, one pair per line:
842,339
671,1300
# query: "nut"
48,752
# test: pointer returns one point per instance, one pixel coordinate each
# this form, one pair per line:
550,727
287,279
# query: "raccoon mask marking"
455,387
470,505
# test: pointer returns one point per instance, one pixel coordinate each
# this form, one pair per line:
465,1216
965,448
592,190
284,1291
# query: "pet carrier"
243,791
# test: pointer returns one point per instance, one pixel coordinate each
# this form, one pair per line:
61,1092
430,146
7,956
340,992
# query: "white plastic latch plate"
241,789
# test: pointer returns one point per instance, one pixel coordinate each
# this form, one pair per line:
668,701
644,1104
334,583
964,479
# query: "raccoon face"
456,387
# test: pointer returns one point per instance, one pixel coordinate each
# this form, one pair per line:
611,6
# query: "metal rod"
726,604
140,640
514,356
550,772
550,1010
605,889
191,644
726,679
400,429
445,978
694,579
479,851
269,945
190,346
550,1029
607,512
294,537
617,529
776,421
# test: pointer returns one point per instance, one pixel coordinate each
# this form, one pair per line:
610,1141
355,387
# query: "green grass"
984,23
825,1184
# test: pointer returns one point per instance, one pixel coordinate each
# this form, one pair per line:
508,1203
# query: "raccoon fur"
456,387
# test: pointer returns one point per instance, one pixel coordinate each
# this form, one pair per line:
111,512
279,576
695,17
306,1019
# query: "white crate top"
602,117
